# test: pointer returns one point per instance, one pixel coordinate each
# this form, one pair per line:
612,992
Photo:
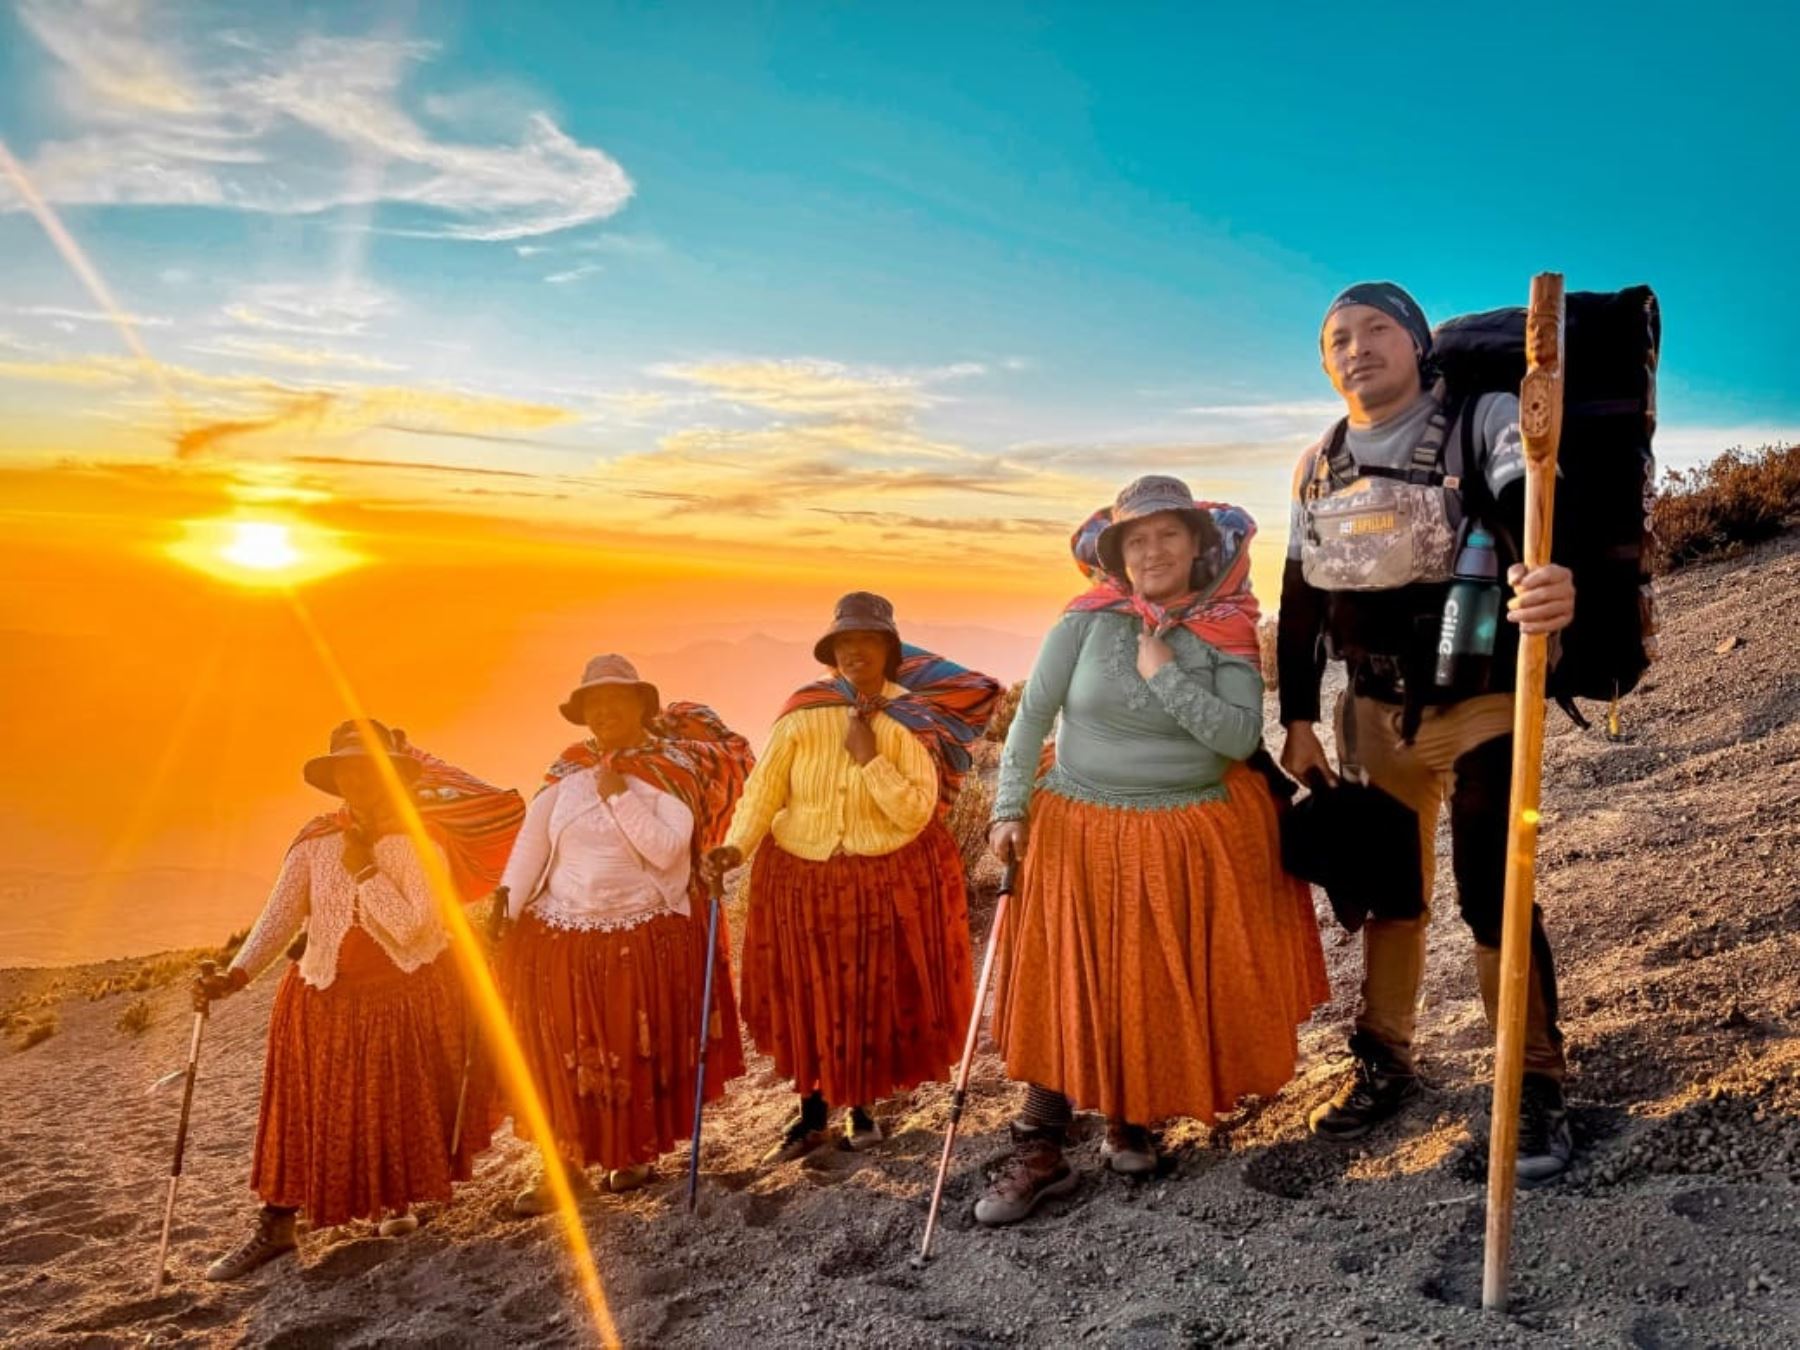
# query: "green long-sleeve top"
1123,740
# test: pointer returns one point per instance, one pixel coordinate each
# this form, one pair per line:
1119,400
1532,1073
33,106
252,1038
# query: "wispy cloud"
301,127
64,372
1687,446
336,311
574,274
809,386
247,411
89,316
282,354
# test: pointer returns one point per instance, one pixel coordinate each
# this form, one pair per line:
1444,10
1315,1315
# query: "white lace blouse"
581,861
395,907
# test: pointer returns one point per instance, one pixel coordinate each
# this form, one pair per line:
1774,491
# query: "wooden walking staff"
1540,423
207,970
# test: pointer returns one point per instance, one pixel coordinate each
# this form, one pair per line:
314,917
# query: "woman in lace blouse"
603,972
1158,959
368,1034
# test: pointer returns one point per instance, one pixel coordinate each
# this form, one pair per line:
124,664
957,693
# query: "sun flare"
262,551
263,545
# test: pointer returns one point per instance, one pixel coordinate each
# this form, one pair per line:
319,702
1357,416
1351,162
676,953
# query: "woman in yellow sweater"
856,954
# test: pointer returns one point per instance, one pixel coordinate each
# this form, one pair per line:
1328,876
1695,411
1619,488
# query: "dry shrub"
135,1018
1737,500
37,1030
968,823
1004,711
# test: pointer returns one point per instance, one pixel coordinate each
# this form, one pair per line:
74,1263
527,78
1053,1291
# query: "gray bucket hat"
602,671
860,612
1151,495
348,742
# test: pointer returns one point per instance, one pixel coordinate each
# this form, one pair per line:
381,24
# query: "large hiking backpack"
1607,472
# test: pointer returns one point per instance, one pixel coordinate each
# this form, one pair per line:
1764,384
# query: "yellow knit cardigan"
816,800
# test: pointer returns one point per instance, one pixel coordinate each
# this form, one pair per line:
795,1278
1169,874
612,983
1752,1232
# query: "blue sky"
920,266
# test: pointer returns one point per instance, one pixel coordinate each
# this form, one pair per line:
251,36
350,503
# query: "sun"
263,545
262,551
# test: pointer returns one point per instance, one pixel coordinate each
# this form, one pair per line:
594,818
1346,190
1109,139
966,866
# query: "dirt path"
1669,875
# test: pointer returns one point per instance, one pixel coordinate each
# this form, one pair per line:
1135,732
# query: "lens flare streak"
472,963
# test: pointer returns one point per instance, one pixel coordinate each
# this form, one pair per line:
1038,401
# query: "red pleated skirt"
360,1087
857,970
609,1022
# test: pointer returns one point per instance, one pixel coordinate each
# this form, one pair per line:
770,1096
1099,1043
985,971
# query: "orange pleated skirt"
360,1088
609,1022
1158,963
857,972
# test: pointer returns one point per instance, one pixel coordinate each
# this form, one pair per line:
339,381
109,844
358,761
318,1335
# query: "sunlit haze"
491,338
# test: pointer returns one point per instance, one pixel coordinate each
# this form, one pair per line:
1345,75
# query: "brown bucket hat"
860,612
1150,495
347,742
610,669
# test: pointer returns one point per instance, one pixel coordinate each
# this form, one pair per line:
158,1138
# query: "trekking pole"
715,889
1540,425
496,917
960,1093
207,971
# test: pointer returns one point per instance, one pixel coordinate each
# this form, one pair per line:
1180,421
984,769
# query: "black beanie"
1392,301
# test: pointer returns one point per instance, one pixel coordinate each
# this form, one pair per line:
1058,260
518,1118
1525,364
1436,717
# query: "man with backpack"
1378,512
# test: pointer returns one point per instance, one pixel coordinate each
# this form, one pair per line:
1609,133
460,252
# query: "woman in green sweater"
1158,958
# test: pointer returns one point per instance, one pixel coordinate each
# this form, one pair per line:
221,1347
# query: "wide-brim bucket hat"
348,742
860,612
1151,495
604,672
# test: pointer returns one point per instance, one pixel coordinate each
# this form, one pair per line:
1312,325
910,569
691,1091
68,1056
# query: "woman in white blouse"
603,972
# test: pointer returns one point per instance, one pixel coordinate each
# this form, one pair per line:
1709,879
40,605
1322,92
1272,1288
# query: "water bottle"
1465,648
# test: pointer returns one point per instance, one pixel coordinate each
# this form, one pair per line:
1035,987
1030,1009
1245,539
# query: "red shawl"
472,821
1223,614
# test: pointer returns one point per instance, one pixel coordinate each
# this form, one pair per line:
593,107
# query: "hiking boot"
399,1225
861,1130
1545,1142
1129,1150
538,1198
1035,1171
273,1237
623,1179
799,1138
1375,1091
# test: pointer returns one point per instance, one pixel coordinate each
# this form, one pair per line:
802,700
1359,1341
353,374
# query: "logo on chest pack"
1370,524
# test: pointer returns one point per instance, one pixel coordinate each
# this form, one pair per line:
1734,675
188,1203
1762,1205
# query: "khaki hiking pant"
1462,754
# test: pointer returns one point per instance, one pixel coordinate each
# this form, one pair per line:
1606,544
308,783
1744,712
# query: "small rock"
1730,644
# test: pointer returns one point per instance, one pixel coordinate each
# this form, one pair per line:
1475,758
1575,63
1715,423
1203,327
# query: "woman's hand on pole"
721,860
1006,839
211,984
